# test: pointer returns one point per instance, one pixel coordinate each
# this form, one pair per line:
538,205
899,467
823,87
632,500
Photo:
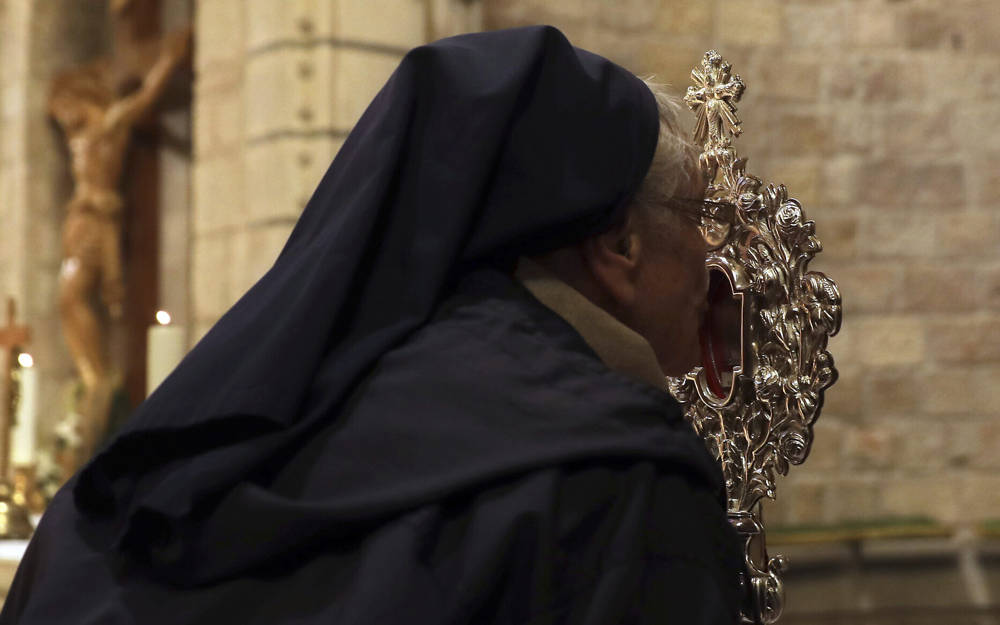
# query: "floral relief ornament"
765,422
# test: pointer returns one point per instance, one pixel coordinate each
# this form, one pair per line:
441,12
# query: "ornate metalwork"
762,422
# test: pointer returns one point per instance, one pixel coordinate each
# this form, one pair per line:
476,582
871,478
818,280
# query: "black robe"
385,428
519,481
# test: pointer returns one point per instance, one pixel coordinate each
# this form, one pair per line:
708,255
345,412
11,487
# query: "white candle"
164,349
23,434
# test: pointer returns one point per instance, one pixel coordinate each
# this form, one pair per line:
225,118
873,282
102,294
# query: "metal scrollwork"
764,422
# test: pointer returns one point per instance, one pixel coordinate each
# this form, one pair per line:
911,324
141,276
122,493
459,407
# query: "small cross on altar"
12,337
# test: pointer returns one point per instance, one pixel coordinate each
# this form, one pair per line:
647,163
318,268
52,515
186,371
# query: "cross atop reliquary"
713,101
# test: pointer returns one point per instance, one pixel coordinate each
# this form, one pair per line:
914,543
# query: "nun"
445,402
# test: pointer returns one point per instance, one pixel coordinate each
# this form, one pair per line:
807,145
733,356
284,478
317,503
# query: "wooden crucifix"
99,106
12,337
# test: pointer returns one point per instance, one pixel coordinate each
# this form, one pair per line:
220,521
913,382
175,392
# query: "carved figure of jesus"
98,125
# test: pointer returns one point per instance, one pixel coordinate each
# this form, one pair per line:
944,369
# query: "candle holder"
25,489
14,520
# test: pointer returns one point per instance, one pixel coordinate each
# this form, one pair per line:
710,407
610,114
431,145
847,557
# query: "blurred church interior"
881,116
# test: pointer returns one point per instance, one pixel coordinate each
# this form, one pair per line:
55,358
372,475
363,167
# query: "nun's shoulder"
493,335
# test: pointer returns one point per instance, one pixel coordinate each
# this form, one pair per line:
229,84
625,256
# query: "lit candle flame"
25,360
163,317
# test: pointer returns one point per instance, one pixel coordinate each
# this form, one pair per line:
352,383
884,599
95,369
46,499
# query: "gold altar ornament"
765,363
14,520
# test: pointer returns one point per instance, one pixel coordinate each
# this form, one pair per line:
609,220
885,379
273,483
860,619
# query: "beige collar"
617,345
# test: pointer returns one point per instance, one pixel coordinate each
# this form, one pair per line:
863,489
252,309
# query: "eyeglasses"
714,218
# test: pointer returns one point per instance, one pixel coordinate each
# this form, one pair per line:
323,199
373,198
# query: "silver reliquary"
765,363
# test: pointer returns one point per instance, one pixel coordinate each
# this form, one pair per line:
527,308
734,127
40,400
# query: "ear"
612,259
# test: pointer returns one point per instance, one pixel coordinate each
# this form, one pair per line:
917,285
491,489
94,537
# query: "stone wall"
279,86
882,118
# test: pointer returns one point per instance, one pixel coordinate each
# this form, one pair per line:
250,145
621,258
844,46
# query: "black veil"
478,149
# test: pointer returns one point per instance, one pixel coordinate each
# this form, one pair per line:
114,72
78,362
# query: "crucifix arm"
126,111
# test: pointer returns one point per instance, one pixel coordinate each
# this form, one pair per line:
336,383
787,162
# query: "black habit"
388,428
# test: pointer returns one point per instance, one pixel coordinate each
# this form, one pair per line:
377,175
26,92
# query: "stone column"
280,85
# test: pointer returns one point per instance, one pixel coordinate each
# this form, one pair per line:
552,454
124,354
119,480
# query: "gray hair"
674,164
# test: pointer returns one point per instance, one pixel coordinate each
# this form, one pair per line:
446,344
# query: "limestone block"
777,512
15,44
977,125
941,288
987,397
13,147
990,279
271,21
685,17
840,174
888,340
937,496
794,132
887,79
43,284
870,446
219,31
857,130
282,175
827,446
889,235
268,21
625,51
453,17
979,75
868,287
314,89
263,243
313,157
871,24
963,442
751,22
981,496
891,392
964,339
218,122
630,15
317,74
13,99
842,401
806,500
217,194
398,23
812,25
986,183
272,92
790,78
212,255
962,390
972,234
228,123
801,175
669,61
855,498
923,445
987,453
935,183
358,77
922,131
270,181
926,27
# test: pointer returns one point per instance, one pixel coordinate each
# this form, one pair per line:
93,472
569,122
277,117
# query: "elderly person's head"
648,270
